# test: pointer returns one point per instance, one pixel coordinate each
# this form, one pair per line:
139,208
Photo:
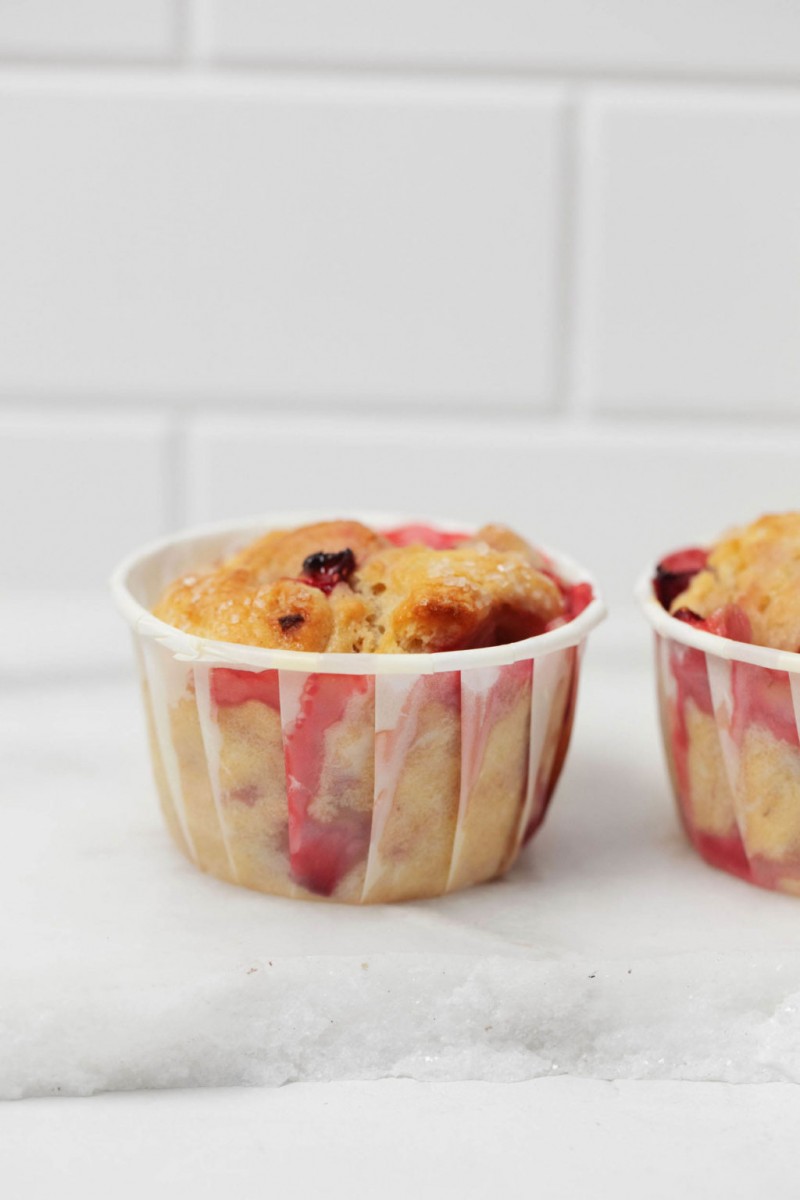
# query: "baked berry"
577,597
675,572
290,621
732,622
324,570
426,535
690,618
729,621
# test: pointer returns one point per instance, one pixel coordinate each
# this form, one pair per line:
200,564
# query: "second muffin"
730,703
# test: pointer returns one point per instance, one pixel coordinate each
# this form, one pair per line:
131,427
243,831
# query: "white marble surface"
611,951
554,1138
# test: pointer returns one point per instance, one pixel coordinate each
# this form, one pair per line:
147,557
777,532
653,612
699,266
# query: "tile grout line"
175,471
32,409
193,46
580,265
564,293
182,32
193,18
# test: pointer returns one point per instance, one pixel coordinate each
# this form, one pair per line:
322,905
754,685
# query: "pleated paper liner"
354,778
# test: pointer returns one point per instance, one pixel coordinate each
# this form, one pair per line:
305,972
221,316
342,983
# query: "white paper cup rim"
190,648
710,643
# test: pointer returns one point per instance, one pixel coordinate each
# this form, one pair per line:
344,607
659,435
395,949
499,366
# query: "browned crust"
756,568
410,599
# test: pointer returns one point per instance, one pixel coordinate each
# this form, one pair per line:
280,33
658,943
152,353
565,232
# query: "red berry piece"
290,621
690,618
731,622
230,687
577,597
324,570
728,622
410,535
675,572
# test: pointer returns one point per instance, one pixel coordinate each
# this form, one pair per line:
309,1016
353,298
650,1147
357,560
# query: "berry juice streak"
763,697
328,840
688,669
328,834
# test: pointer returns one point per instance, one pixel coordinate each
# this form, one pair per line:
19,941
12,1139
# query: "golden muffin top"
754,570
340,586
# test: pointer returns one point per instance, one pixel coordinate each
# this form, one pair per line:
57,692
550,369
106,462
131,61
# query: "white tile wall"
616,499
88,28
76,493
691,254
248,241
78,490
523,260
760,36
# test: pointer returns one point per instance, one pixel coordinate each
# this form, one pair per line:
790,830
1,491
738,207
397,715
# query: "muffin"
353,712
727,621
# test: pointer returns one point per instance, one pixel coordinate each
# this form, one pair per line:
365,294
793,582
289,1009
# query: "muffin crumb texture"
749,584
339,586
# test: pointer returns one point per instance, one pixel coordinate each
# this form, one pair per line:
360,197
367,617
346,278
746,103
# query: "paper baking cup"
357,778
730,719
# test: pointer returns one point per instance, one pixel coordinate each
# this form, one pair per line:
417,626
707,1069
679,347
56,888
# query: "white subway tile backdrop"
113,29
74,490
615,498
703,36
692,253
523,261
225,241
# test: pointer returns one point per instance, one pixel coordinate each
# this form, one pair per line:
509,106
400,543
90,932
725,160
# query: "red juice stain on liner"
230,687
486,710
690,672
320,852
762,696
726,852
771,873
688,667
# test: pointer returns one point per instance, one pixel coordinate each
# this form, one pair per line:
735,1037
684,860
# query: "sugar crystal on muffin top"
339,586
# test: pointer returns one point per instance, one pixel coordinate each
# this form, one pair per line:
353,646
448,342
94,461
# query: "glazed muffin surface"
339,586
